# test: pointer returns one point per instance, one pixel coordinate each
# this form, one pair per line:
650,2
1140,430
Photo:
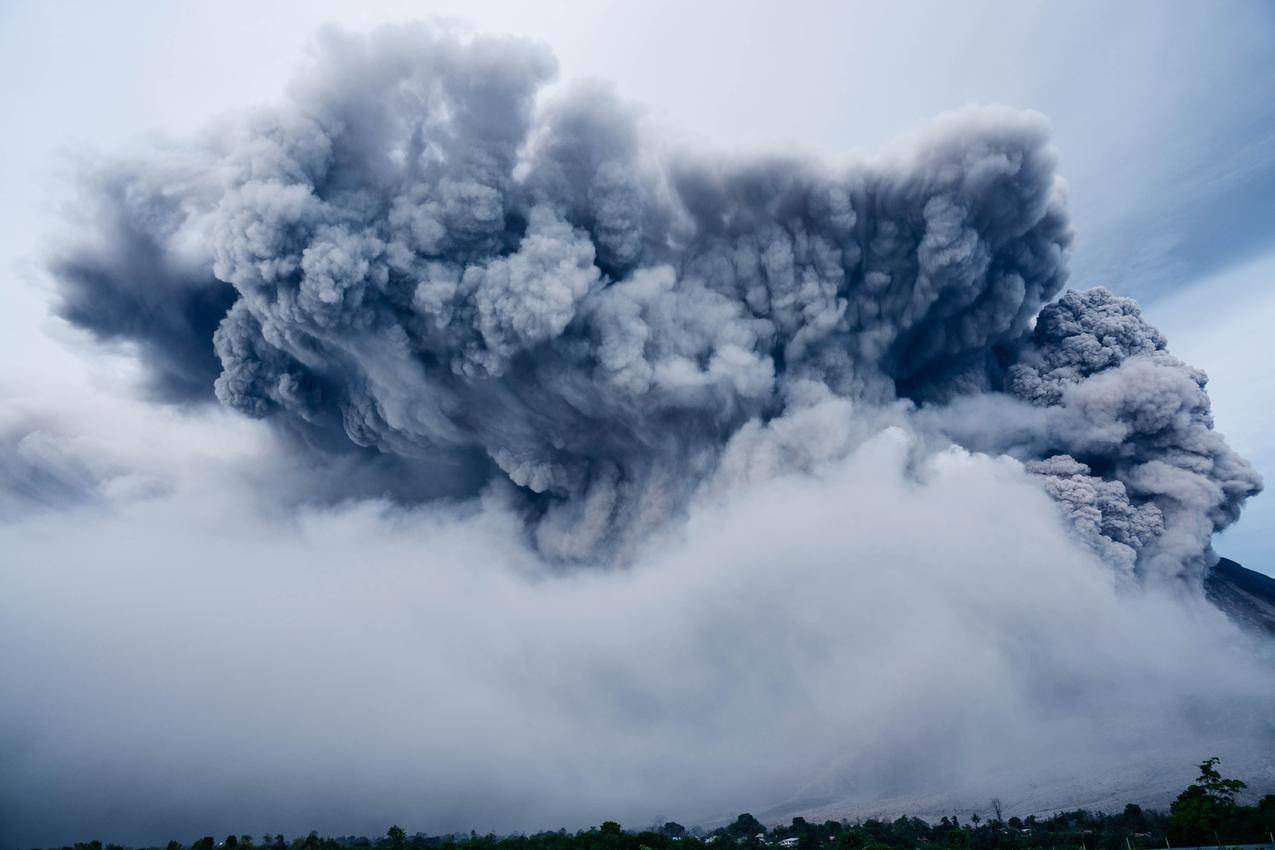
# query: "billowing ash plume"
1138,417
418,260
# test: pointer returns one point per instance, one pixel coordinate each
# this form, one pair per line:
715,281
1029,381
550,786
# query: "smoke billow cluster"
422,260
1136,416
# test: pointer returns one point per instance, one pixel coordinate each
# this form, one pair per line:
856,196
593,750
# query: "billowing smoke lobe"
420,259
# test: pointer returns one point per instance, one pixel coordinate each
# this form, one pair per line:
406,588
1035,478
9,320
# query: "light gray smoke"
1119,431
1138,417
420,260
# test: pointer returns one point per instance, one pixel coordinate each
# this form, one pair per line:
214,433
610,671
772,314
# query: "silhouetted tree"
745,826
1199,811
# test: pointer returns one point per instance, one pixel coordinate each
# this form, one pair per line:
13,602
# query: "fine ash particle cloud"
602,479
412,258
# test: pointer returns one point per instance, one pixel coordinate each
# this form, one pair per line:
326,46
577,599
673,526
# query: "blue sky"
1164,114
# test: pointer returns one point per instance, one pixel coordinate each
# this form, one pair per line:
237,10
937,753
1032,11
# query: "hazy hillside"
1248,597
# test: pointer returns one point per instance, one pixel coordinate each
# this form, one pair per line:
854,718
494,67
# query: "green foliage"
1206,807
745,826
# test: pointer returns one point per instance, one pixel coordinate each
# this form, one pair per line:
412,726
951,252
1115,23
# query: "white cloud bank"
890,622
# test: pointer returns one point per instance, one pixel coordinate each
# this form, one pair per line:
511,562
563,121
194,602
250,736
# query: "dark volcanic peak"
1247,597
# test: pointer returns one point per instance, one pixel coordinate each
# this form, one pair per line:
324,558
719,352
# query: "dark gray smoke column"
412,258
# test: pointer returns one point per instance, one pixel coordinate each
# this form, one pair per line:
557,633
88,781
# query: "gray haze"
832,620
508,468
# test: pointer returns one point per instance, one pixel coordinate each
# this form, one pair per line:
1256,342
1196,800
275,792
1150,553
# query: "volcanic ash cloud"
421,263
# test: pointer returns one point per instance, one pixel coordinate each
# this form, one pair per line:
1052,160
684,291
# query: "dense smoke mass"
421,258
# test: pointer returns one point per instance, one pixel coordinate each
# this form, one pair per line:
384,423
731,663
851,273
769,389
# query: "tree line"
1205,815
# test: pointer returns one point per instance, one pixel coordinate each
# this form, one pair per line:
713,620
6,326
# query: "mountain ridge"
1244,595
